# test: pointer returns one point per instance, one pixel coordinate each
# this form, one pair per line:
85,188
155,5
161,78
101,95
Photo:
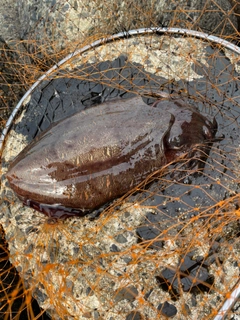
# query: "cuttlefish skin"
101,153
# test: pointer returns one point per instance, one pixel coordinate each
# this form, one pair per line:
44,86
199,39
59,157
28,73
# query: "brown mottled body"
99,154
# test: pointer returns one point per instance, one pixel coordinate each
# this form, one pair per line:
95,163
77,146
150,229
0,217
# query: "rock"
167,309
55,24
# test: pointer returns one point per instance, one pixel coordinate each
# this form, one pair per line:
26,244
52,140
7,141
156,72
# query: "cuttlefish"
99,154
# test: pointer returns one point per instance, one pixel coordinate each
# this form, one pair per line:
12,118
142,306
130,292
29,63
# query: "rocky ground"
12,86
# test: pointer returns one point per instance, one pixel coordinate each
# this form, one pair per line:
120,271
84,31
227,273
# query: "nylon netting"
169,247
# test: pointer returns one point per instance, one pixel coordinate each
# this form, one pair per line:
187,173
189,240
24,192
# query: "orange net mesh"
168,248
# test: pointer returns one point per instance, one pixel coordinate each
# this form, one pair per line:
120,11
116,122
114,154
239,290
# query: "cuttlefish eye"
175,143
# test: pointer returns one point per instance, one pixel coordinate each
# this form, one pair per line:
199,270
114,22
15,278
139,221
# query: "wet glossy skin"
99,154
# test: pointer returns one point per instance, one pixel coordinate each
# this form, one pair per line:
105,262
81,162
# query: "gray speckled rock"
60,21
9,20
